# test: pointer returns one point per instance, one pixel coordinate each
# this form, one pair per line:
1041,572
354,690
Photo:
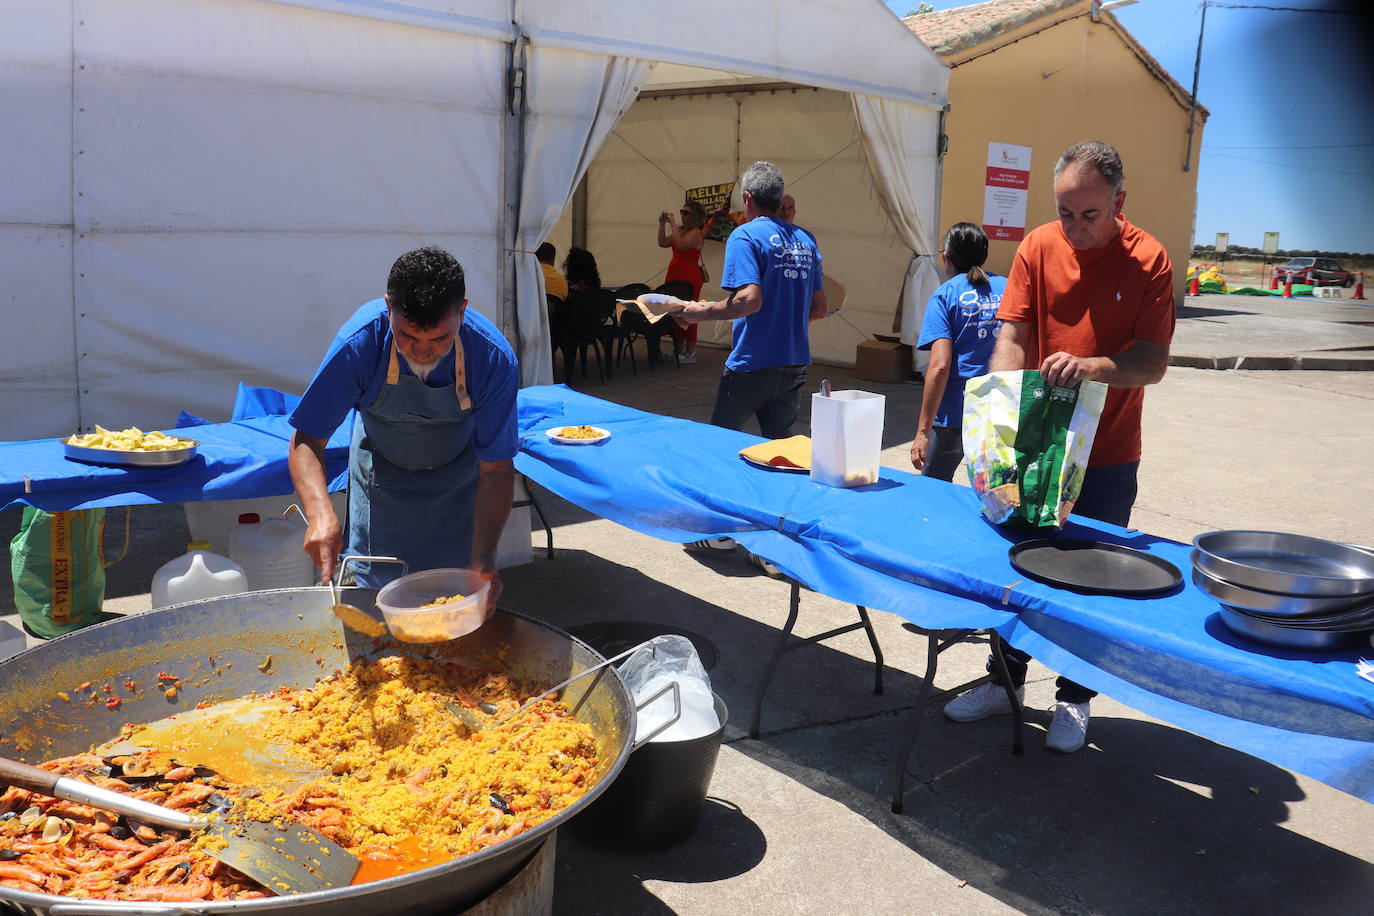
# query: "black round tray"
1095,567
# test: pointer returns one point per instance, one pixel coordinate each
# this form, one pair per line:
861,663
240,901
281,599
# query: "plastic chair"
632,326
579,324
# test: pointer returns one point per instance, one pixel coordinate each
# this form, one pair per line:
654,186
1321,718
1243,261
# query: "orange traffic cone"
1288,285
1274,279
1193,286
1359,286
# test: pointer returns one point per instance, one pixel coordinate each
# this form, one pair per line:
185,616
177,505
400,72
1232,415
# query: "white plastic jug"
846,437
271,552
197,574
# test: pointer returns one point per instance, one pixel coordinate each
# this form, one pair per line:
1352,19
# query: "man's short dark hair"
426,285
1096,155
546,253
764,183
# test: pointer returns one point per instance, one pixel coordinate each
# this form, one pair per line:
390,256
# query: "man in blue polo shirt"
431,476
773,273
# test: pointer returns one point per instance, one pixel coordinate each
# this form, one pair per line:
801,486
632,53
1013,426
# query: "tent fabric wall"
668,144
211,186
233,201
38,389
575,101
903,151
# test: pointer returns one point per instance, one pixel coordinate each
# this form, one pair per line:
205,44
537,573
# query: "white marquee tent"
199,191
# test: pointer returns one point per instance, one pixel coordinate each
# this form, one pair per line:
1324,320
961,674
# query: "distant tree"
921,10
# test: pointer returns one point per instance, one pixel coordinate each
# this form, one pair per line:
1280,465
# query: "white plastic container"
408,620
197,574
846,438
271,552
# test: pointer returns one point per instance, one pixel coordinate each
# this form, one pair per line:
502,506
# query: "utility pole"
1192,100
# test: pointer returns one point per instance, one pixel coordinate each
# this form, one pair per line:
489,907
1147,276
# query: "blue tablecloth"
919,548
245,457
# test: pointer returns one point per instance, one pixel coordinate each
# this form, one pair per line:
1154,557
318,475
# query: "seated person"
554,284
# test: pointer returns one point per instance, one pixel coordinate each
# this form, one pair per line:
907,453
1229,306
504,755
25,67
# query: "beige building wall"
1075,80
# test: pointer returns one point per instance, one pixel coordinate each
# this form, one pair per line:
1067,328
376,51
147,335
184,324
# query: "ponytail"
966,246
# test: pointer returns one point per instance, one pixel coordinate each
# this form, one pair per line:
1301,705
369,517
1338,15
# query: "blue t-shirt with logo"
784,261
967,315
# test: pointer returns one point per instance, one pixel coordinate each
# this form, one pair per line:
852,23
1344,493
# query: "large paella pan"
287,644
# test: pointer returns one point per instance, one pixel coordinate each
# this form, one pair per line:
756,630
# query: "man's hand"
324,542
1065,370
323,537
486,567
920,450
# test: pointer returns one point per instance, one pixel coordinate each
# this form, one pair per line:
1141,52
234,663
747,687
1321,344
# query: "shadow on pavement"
1149,819
596,880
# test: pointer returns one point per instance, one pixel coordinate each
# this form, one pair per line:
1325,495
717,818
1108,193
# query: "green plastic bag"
58,563
1027,444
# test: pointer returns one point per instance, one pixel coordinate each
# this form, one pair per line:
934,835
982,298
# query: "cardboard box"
885,359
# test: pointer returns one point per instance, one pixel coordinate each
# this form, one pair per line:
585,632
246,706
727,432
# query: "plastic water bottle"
271,552
197,574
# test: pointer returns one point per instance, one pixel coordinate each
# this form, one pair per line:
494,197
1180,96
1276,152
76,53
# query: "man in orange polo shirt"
1089,297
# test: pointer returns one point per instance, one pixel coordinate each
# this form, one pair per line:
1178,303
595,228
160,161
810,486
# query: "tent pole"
579,212
513,155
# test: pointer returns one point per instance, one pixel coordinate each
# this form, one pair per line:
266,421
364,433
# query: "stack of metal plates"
1288,590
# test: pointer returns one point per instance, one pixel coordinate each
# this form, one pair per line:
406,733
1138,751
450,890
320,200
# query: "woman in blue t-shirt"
959,330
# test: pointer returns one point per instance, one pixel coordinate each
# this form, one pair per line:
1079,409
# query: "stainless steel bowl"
1285,564
1272,634
1268,602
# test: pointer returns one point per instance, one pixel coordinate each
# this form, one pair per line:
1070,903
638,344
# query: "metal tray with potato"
130,448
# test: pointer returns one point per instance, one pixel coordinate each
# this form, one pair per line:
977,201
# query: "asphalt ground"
1147,819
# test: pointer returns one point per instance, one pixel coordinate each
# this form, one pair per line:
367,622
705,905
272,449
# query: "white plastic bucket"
197,574
846,438
271,552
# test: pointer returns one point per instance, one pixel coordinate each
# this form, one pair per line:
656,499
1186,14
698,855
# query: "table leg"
793,607
922,697
877,651
999,660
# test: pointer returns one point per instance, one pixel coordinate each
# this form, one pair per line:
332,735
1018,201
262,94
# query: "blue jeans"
772,395
1108,494
946,451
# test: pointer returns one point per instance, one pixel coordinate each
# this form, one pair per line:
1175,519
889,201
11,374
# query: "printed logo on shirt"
795,260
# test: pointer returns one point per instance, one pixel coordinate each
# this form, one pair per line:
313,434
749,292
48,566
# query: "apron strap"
460,373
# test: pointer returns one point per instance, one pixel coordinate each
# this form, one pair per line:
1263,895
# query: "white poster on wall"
1006,188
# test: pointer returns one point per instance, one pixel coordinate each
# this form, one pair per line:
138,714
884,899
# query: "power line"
1287,165
1278,9
1327,146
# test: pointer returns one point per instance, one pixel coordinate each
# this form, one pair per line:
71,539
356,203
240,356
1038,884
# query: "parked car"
1318,272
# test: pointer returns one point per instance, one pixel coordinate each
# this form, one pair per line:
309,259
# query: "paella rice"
403,785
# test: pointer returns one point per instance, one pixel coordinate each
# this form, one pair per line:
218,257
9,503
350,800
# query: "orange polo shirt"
1094,303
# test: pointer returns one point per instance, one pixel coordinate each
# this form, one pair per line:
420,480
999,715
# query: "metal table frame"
937,641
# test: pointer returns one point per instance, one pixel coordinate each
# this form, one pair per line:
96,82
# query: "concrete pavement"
1148,819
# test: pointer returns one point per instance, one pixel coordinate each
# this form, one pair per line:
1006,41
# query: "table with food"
923,549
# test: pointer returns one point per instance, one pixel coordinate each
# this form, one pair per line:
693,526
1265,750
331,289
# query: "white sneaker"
1069,730
711,544
980,702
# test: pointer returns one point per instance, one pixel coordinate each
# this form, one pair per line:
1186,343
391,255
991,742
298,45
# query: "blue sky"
1289,146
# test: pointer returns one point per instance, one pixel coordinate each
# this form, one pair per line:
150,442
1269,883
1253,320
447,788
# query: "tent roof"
866,49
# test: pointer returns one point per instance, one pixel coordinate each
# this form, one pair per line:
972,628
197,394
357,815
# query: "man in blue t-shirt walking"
773,273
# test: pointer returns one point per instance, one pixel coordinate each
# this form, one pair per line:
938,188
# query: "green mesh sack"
58,564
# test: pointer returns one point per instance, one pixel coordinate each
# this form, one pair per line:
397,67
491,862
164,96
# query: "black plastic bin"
657,799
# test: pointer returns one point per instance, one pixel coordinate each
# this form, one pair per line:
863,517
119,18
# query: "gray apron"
412,475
